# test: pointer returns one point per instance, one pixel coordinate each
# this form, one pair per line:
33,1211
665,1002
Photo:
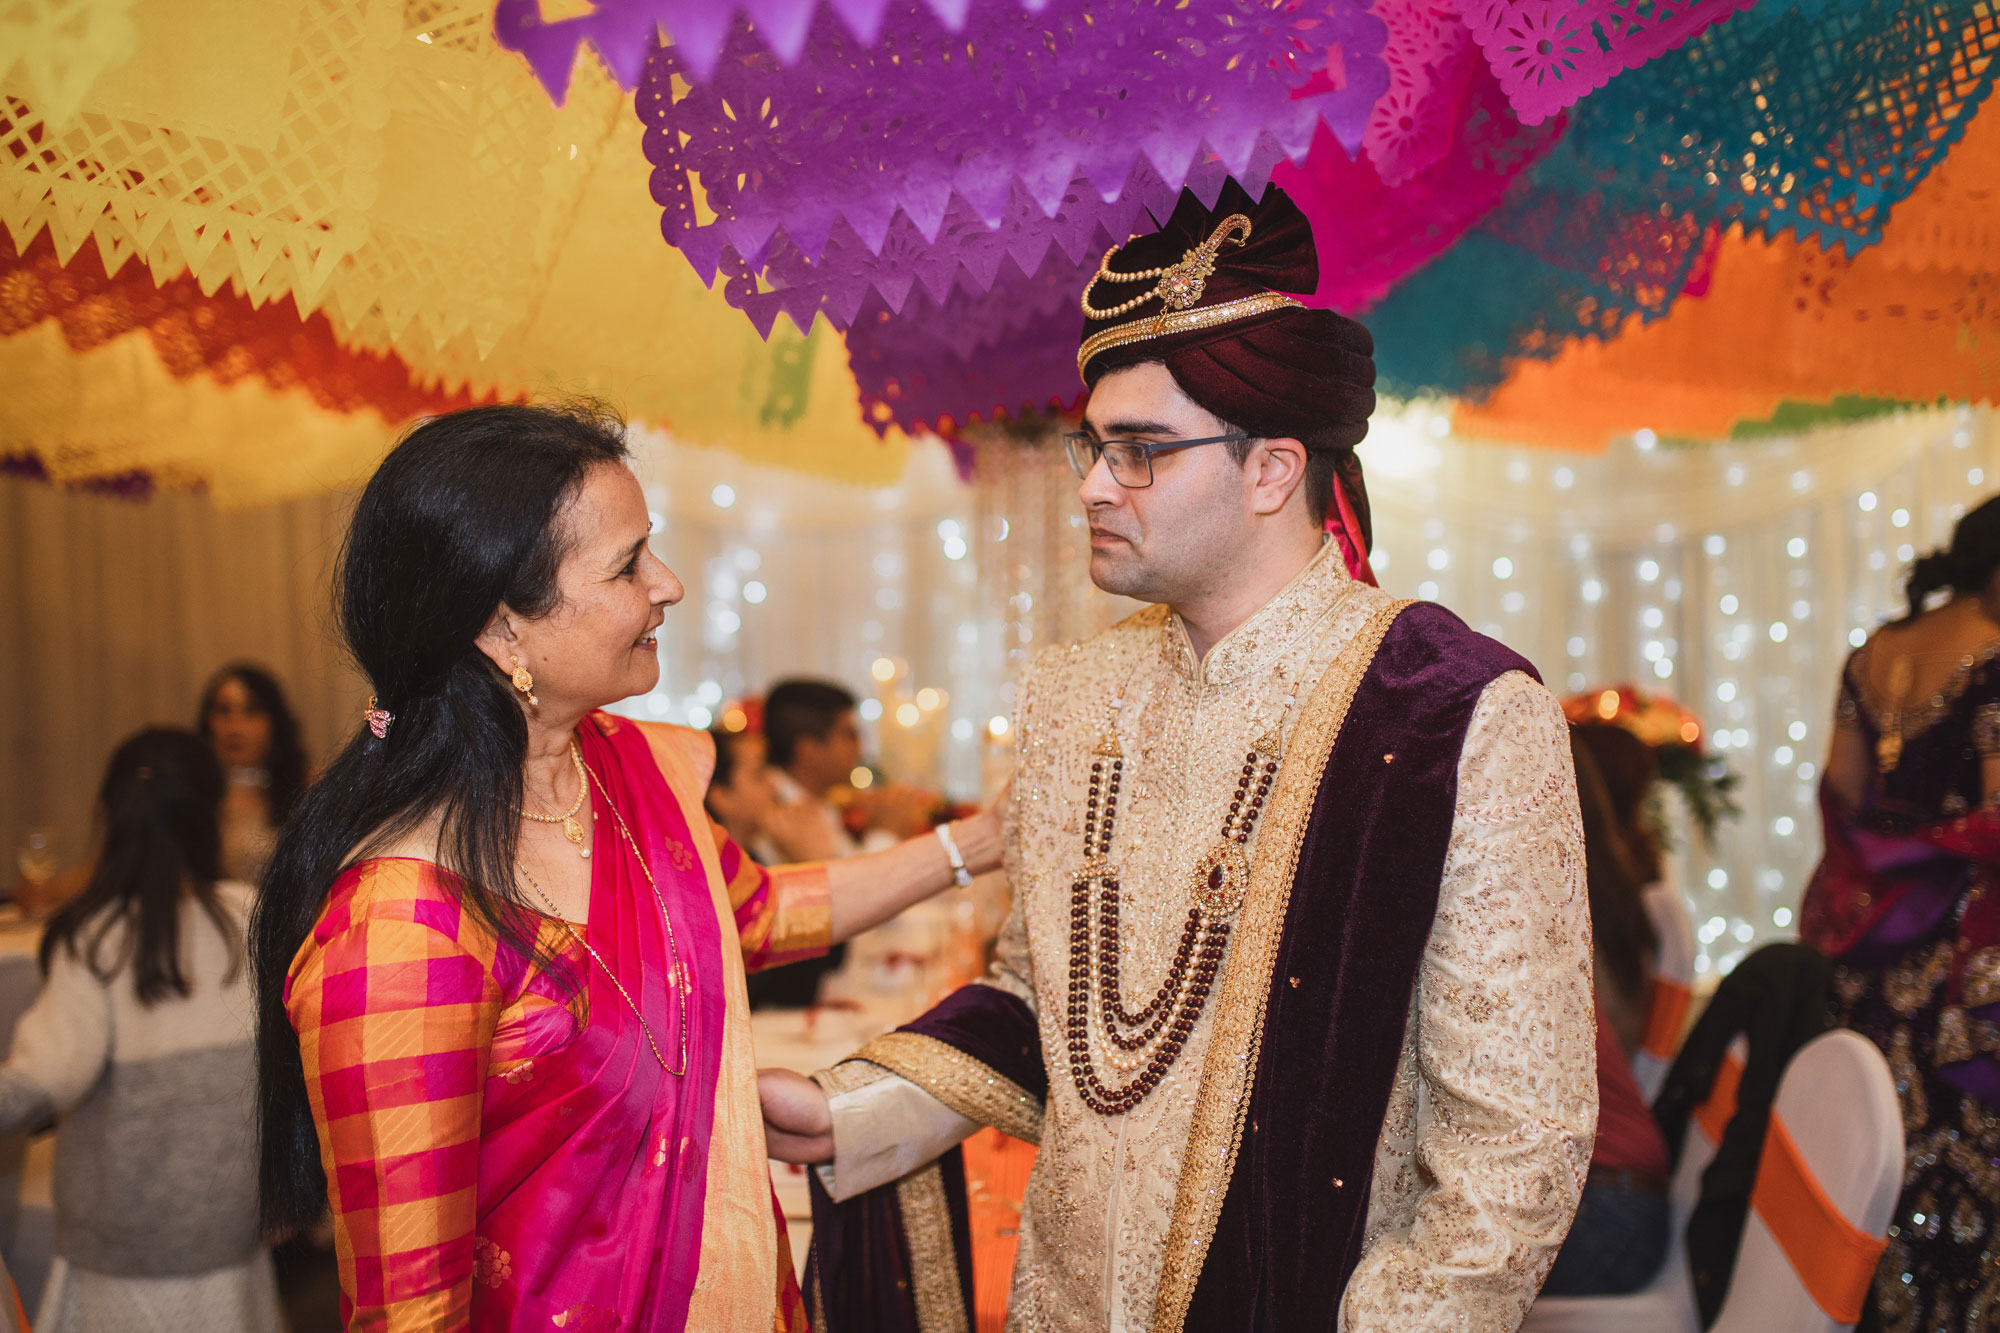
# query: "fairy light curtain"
1735,577
878,587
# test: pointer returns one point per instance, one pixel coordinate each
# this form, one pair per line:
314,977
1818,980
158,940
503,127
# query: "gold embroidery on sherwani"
1458,1234
849,1075
1224,1099
967,1086
934,1283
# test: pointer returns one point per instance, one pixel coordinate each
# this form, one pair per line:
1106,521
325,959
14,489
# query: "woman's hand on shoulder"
979,837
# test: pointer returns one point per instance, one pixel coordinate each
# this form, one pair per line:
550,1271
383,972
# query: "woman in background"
140,1046
247,722
1906,902
1626,939
1619,1238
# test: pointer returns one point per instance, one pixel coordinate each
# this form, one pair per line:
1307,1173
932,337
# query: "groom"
1296,991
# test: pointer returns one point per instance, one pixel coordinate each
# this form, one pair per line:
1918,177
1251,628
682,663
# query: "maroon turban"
1218,320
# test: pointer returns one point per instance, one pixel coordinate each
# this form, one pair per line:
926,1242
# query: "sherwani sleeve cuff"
884,1127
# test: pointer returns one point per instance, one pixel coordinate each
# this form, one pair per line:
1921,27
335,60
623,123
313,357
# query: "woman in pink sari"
500,952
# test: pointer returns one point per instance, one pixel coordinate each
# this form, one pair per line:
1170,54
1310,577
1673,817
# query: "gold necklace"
570,827
676,980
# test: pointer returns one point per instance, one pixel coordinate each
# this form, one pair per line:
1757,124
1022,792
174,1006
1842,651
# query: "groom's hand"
798,1126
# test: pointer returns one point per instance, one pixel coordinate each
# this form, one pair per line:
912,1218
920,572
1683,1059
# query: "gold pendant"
574,832
1221,878
1889,749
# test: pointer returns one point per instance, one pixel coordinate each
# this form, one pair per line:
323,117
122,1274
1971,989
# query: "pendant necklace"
1150,1040
570,827
677,980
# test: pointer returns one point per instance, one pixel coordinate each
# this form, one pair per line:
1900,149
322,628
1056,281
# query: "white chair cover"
1666,1304
1838,1102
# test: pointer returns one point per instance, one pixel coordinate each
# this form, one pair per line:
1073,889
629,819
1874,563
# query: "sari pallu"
503,1153
1875,894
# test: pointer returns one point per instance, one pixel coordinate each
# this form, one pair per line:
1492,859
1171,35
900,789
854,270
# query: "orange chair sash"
1834,1259
1663,1022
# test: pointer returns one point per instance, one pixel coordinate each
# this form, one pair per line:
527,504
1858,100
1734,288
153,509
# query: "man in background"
813,743
812,746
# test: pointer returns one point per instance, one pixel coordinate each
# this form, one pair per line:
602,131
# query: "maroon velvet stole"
1297,1162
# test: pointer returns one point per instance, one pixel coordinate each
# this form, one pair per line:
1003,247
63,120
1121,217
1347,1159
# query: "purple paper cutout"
924,158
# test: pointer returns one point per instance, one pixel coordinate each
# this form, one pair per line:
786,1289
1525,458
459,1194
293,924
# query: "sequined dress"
1942,1266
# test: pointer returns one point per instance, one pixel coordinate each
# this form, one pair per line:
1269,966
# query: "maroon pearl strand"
1172,1012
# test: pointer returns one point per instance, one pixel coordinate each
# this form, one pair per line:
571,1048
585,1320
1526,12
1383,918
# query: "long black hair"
1622,932
1967,565
461,518
286,761
161,844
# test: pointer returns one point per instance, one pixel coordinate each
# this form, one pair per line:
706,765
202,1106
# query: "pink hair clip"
378,719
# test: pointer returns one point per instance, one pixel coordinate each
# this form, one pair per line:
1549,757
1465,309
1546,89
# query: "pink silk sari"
595,1175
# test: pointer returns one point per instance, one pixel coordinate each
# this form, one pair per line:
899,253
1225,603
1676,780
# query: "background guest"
246,720
743,798
814,746
1615,776
140,1046
1900,904
1619,1238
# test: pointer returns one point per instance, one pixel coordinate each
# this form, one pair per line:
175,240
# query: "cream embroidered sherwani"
1481,1156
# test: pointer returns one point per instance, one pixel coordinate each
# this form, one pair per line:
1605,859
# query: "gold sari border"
1223,1101
802,923
967,1086
934,1283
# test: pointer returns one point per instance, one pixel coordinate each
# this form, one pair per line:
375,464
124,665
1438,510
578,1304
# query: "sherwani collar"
1271,630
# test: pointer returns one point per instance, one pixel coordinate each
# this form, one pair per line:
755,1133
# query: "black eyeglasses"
1130,461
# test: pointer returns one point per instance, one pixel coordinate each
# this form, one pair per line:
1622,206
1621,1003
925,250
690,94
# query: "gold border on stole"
1223,1101
967,1086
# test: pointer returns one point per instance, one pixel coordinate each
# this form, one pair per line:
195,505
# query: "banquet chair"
1812,1240
1673,986
1826,1187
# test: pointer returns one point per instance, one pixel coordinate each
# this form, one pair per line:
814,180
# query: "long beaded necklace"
676,980
570,827
1150,1040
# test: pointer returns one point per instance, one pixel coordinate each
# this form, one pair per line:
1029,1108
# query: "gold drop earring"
523,681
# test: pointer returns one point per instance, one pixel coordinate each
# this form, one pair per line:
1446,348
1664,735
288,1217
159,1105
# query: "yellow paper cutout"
416,184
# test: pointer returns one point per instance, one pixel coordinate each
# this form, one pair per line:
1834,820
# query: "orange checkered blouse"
408,1013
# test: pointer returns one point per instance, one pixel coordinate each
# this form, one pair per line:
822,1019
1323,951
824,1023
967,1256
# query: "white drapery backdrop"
1733,576
114,613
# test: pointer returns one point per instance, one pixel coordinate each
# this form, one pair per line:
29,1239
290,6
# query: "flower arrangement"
1675,736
